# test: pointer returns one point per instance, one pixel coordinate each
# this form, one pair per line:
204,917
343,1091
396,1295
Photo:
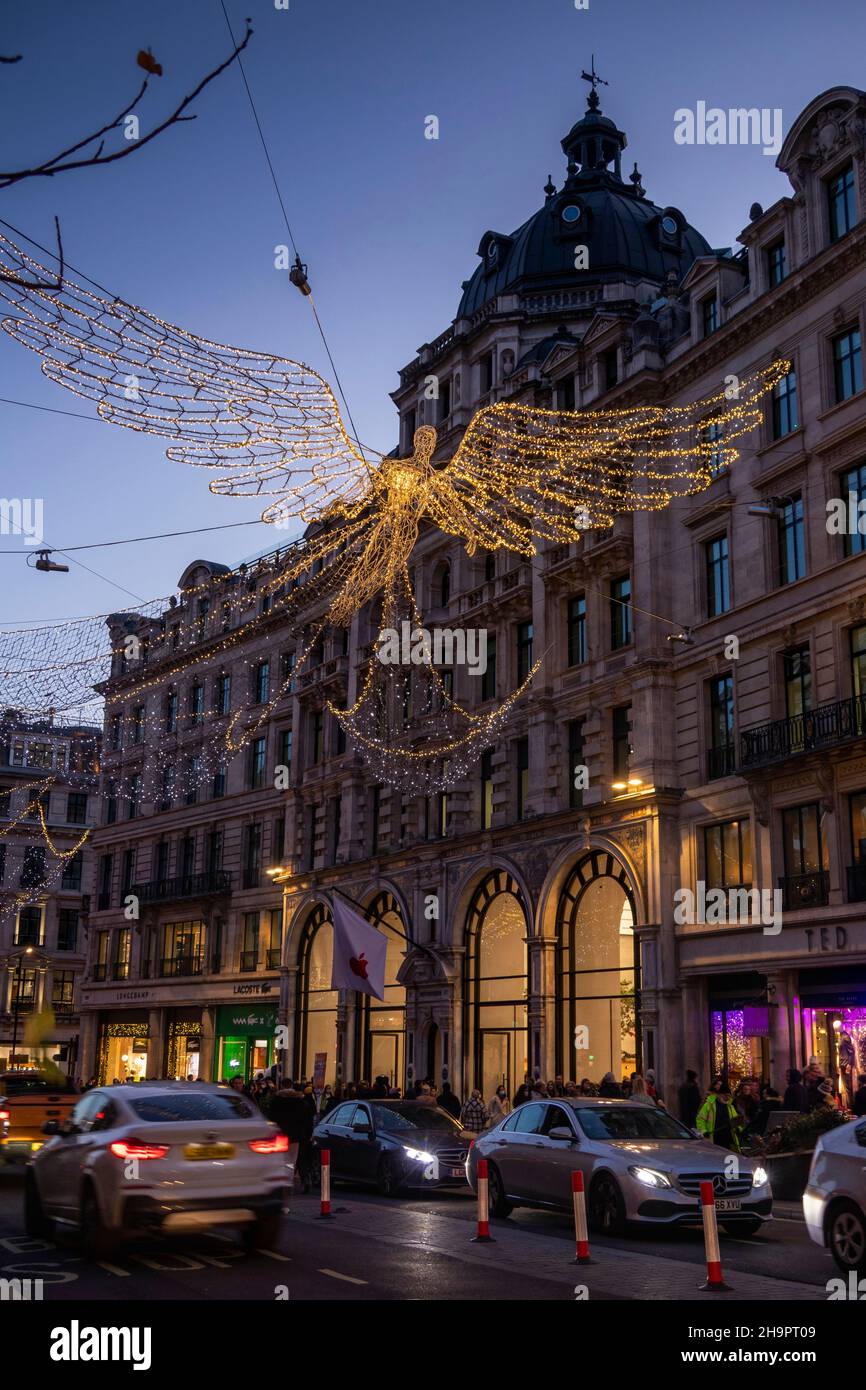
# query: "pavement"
421,1248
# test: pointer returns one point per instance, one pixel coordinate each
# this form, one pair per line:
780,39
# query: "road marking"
113,1269
335,1274
274,1255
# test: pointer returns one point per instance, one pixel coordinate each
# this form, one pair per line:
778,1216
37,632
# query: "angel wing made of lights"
521,475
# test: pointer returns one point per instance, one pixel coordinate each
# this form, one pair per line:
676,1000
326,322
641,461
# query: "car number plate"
728,1204
457,1172
209,1151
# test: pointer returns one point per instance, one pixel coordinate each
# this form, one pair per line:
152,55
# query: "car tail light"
4,1114
273,1144
138,1148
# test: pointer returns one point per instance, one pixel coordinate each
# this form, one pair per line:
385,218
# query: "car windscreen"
34,1084
171,1108
405,1117
630,1122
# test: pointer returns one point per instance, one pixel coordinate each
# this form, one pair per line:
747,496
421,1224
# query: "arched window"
596,974
443,586
316,1022
383,1022
496,985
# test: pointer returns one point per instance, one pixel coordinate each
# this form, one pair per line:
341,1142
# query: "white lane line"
274,1255
347,1278
114,1269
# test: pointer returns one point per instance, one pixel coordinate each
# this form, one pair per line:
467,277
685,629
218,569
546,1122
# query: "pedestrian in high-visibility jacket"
719,1120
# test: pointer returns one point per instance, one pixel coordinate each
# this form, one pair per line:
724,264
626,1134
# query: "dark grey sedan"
393,1144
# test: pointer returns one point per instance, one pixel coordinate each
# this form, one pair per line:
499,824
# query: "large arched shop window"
383,1023
496,985
316,1024
596,971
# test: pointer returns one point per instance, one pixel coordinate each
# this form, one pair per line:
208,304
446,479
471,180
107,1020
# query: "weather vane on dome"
593,77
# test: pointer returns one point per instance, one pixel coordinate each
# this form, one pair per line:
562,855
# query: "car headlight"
420,1155
650,1177
760,1176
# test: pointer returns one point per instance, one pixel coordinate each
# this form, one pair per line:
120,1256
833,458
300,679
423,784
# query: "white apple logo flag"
359,952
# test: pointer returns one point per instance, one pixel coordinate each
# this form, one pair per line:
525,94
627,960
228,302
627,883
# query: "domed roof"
625,235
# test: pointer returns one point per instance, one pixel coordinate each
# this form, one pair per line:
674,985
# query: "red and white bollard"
581,1235
483,1232
325,1156
715,1283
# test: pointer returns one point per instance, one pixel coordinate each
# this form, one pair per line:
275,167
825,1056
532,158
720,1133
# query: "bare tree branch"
61,163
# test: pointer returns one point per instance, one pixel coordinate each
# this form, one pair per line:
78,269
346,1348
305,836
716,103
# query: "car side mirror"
68,1128
51,1127
362,1129
560,1132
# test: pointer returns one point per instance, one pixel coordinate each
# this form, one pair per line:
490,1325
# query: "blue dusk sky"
387,220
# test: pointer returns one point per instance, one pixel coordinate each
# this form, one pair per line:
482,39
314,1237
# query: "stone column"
157,1042
206,1044
781,988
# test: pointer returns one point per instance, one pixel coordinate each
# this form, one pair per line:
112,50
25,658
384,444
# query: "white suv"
834,1203
166,1156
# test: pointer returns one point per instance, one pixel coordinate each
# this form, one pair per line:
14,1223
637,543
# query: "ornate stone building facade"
704,664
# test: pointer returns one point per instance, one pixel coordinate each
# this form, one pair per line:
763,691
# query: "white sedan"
159,1156
834,1203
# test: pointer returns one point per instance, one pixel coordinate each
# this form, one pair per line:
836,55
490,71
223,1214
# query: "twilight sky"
387,220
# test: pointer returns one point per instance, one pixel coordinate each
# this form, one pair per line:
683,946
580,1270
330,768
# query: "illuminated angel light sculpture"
271,427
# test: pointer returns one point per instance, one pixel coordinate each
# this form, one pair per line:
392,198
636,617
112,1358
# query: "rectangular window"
565,396
285,747
576,764
122,952
577,630
847,364
62,990
610,363
33,870
777,263
138,724
841,203
854,495
488,678
224,695
720,754
317,736
76,808
485,374
67,929
287,667
791,540
310,838
219,781
487,789
375,814
709,315
252,856
28,927
116,731
798,681
444,400
201,619
621,732
162,855
214,851
334,811
408,430
524,651
728,854
71,877
262,683
167,788
257,755
858,663
196,703
171,712
521,762
786,416
712,436
106,863
250,947
621,628
717,576
135,794
804,841
278,836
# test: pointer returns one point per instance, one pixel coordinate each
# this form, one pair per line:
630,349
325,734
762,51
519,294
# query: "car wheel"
606,1207
846,1237
36,1223
743,1228
387,1182
98,1241
497,1201
263,1232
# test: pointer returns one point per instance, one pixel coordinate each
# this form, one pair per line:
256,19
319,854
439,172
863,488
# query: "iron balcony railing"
805,890
824,727
182,965
183,886
720,762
